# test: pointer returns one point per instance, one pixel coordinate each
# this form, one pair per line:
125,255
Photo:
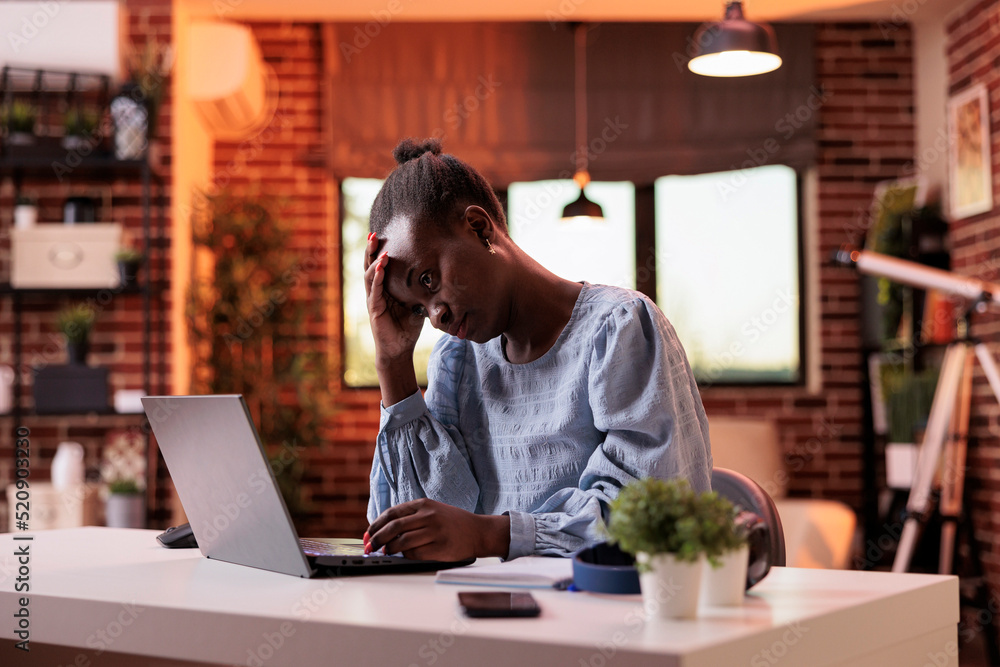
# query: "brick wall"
118,334
973,49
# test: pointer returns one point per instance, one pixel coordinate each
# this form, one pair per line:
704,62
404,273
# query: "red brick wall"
973,48
118,333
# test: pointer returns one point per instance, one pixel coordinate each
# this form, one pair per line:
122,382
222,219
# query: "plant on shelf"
248,323
75,323
80,128
135,110
122,468
672,531
129,260
19,121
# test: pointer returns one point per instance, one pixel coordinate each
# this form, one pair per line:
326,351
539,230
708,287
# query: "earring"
489,247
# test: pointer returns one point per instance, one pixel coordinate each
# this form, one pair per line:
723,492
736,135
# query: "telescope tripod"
946,434
945,444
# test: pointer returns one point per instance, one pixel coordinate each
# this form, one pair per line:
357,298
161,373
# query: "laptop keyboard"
319,548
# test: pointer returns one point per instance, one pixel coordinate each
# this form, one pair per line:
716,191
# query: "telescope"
917,275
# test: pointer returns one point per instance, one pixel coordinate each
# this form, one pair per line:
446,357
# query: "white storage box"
51,255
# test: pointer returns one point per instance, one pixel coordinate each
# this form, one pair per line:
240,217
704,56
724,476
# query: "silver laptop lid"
224,481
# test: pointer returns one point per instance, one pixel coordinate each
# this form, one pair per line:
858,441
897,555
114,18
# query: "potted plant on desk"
123,467
668,528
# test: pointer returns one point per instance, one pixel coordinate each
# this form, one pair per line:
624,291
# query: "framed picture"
969,173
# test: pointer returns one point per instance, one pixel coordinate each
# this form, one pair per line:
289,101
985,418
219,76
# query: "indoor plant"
727,550
79,127
129,260
671,531
76,322
19,120
25,211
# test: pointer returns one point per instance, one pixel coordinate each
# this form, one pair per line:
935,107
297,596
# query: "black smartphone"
498,605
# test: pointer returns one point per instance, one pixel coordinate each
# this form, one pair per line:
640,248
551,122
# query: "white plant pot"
125,510
671,587
25,216
726,584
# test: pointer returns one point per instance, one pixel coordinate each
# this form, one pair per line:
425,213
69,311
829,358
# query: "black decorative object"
67,389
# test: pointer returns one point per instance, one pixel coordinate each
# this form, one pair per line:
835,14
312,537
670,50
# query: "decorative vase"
67,466
131,119
128,272
25,216
726,584
670,587
125,510
77,351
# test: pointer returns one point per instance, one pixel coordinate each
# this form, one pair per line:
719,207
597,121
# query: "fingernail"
370,235
366,538
368,548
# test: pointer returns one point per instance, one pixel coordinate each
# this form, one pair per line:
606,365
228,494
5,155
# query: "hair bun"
409,149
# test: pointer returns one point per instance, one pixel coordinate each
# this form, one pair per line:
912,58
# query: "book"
523,572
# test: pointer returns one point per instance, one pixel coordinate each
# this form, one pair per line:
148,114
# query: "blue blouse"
549,442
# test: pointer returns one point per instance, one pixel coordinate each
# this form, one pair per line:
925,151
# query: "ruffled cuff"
403,412
522,534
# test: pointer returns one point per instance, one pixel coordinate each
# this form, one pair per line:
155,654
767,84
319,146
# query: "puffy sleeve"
645,400
419,452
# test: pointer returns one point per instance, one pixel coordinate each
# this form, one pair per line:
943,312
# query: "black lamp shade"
582,207
735,46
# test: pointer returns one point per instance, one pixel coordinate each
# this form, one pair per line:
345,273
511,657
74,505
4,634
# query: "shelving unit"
88,170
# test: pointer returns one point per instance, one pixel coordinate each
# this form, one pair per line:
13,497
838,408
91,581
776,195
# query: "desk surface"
117,590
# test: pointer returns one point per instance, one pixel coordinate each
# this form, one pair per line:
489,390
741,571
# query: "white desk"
102,592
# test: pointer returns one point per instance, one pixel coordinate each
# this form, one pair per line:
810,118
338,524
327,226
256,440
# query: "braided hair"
431,188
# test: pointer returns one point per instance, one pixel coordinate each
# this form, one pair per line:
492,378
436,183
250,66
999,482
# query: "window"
358,194
727,265
727,258
598,252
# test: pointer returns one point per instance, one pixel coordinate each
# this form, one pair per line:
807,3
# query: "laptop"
228,490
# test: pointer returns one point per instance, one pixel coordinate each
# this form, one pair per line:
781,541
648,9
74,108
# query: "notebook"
228,490
523,572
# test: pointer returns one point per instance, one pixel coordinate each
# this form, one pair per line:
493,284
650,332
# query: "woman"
544,399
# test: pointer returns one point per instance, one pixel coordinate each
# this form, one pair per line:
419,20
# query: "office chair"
758,514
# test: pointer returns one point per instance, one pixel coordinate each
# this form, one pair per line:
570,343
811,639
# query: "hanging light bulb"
581,207
735,46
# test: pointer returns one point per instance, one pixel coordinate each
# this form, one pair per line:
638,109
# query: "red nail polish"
366,538
368,548
370,235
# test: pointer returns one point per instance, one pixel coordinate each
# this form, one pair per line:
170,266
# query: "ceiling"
568,10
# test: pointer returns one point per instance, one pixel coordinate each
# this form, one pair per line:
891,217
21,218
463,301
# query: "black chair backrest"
766,537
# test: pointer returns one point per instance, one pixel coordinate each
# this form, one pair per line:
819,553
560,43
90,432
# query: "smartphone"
498,605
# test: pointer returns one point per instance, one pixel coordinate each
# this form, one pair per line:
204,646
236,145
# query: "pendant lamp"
581,207
735,46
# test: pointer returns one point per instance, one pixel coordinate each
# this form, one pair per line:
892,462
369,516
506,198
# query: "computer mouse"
178,537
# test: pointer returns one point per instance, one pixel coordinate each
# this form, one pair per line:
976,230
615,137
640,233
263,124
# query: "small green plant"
75,322
123,486
128,254
80,123
25,200
656,516
19,116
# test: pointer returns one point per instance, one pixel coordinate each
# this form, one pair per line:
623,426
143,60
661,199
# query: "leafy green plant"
25,200
19,116
76,322
124,486
128,254
149,68
908,395
248,325
656,516
80,123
